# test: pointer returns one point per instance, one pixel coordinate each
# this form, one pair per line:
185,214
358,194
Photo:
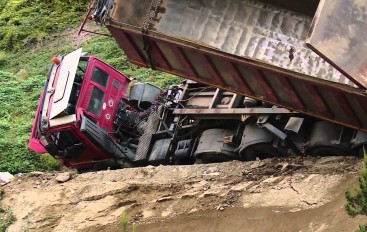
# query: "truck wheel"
257,143
329,139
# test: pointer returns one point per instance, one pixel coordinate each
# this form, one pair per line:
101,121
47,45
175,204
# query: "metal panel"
245,28
244,75
65,82
339,35
62,121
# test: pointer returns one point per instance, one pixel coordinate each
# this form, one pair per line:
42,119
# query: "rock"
255,189
282,166
63,177
271,180
241,187
211,170
189,195
246,172
5,177
35,174
221,207
210,176
163,199
257,164
210,193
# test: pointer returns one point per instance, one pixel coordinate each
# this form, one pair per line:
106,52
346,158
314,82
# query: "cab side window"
100,77
96,101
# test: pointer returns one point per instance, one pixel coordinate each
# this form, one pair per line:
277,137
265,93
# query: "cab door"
339,35
105,87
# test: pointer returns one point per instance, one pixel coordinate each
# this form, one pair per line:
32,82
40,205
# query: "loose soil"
280,194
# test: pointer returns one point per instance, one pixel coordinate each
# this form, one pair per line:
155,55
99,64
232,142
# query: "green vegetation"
357,200
31,33
124,223
6,216
29,22
19,99
6,219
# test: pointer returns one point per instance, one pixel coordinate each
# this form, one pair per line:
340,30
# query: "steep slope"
293,194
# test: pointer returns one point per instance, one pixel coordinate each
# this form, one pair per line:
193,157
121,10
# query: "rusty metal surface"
234,111
339,34
245,28
339,103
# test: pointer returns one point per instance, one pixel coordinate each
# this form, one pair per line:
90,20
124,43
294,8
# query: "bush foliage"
357,199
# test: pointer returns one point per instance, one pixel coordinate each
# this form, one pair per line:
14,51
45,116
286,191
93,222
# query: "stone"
163,199
222,207
210,176
241,187
211,170
257,164
271,180
35,174
5,177
63,177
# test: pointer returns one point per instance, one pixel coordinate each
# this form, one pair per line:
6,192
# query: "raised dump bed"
254,48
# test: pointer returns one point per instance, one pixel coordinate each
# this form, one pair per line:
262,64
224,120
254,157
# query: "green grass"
19,99
38,61
6,219
29,22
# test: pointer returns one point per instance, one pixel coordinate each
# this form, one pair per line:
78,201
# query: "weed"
6,219
124,223
362,228
134,228
357,200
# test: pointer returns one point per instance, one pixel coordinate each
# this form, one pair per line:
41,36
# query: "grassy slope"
31,32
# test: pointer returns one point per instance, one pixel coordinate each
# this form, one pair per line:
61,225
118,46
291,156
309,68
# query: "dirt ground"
279,194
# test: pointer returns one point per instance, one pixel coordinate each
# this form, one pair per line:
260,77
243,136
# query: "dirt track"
288,194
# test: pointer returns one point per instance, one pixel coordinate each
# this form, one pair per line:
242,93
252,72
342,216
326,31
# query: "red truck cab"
78,88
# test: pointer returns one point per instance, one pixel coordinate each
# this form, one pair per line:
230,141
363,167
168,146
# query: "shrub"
357,200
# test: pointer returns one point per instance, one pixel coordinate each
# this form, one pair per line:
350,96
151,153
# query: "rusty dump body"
254,48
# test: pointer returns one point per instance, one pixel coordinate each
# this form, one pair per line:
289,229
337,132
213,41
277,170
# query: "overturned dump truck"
256,89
